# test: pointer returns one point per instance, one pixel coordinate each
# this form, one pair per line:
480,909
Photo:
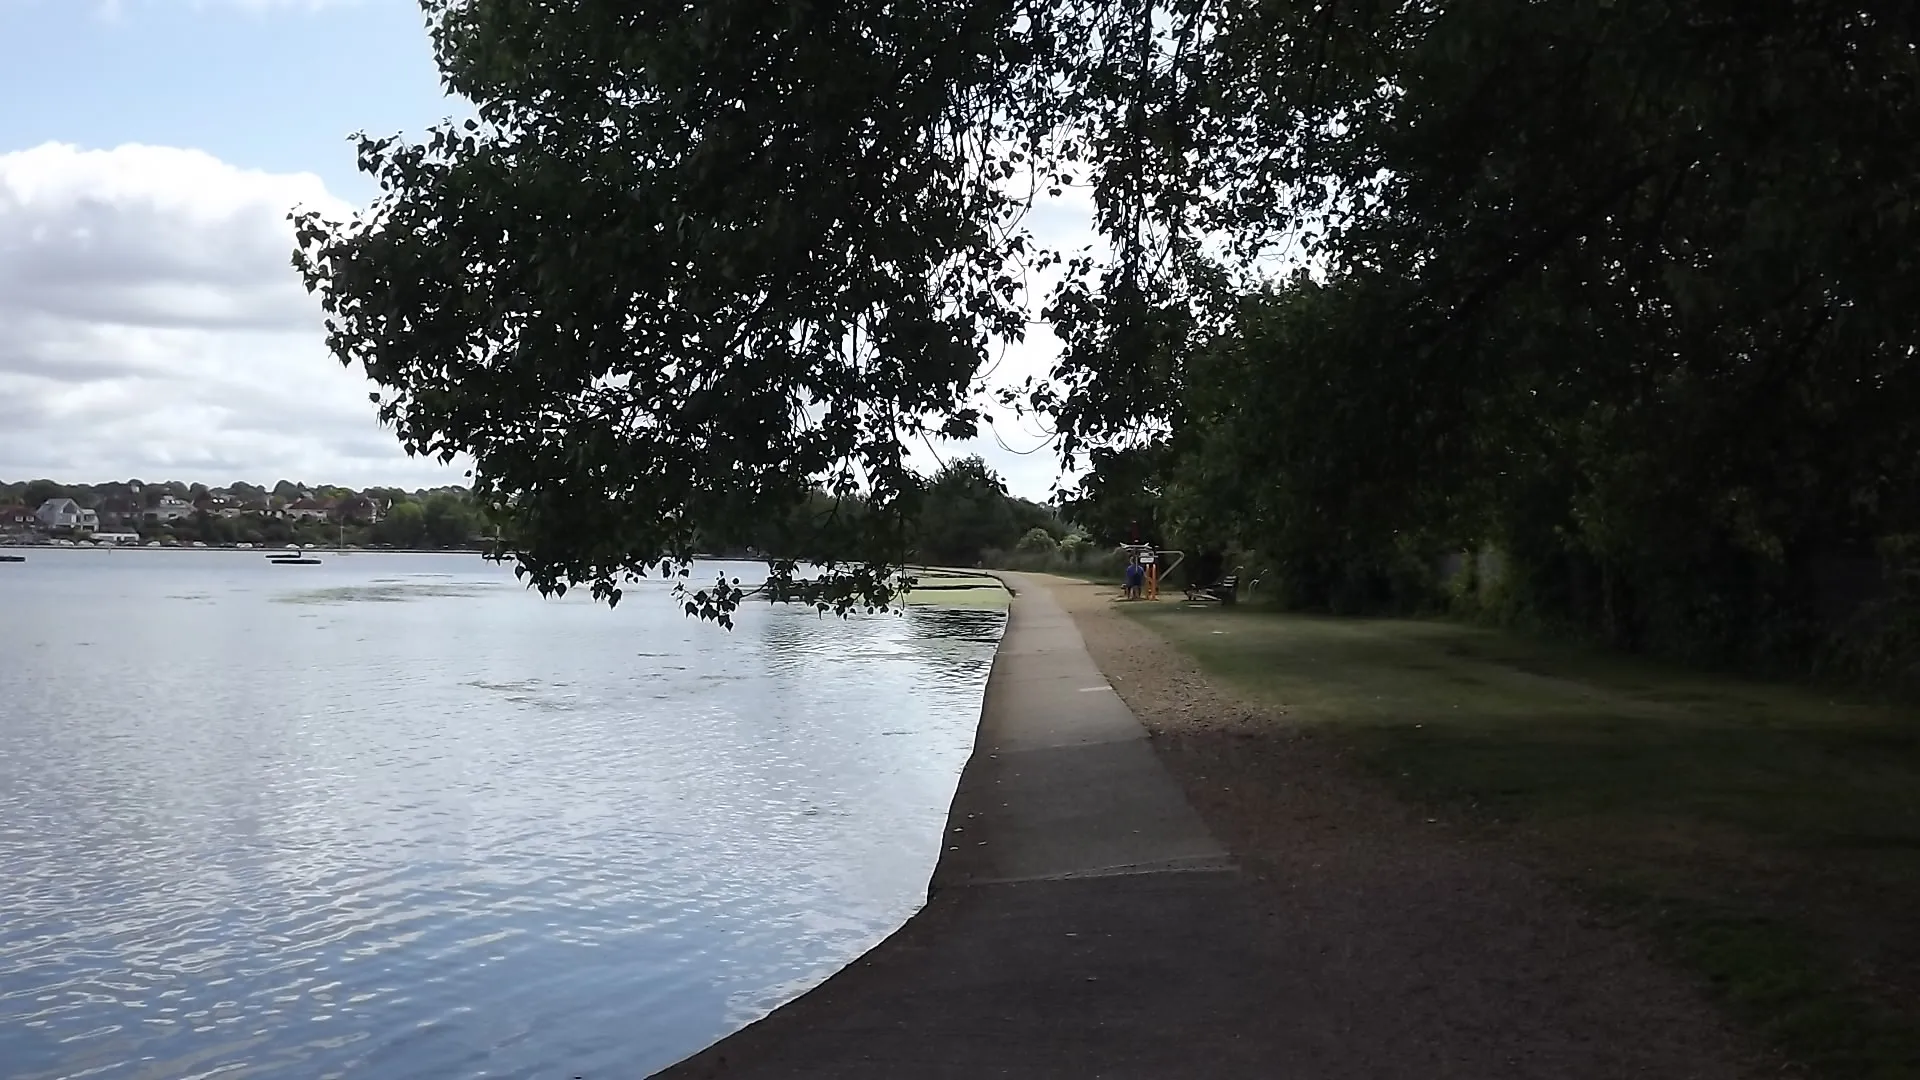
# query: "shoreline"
1064,829
1084,920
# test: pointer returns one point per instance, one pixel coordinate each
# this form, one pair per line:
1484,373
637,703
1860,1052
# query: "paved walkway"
1082,921
1062,783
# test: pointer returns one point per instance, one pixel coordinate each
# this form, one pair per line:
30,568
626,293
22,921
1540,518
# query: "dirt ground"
1419,898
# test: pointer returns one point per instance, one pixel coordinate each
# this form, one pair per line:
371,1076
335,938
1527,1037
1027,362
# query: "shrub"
1037,541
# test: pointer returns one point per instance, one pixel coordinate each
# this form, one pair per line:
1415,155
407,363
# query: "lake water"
394,816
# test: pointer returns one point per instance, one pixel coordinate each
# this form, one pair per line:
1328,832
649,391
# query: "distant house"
116,538
262,508
16,519
310,509
218,503
66,514
169,508
358,510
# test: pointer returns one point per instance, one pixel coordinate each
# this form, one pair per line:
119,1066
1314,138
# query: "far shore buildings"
310,509
169,508
119,515
354,509
66,515
359,509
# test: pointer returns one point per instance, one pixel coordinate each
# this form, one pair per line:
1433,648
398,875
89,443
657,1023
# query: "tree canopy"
1625,300
1620,287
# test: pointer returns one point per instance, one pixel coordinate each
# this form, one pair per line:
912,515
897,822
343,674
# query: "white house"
66,514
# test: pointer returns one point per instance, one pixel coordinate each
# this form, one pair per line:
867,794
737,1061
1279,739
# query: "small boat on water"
290,561
13,558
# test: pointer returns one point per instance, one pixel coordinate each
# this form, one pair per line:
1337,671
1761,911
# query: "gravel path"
1436,944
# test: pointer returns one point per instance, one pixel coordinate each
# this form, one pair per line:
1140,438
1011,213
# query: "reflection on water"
394,816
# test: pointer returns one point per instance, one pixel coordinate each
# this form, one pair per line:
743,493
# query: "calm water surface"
393,816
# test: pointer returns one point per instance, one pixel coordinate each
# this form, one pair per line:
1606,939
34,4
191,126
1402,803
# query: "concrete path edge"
1062,786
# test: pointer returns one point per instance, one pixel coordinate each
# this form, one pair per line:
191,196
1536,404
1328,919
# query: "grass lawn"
1765,836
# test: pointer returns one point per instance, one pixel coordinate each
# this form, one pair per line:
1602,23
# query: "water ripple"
471,833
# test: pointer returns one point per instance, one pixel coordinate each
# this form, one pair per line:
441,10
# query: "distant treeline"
963,516
287,513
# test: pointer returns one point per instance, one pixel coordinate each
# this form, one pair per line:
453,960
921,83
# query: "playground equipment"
1158,563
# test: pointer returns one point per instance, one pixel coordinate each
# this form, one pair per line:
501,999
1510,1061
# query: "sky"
151,323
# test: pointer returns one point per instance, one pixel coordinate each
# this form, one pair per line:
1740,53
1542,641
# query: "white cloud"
151,325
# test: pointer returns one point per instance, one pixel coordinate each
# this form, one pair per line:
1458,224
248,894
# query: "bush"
1037,541
1399,580
1880,643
